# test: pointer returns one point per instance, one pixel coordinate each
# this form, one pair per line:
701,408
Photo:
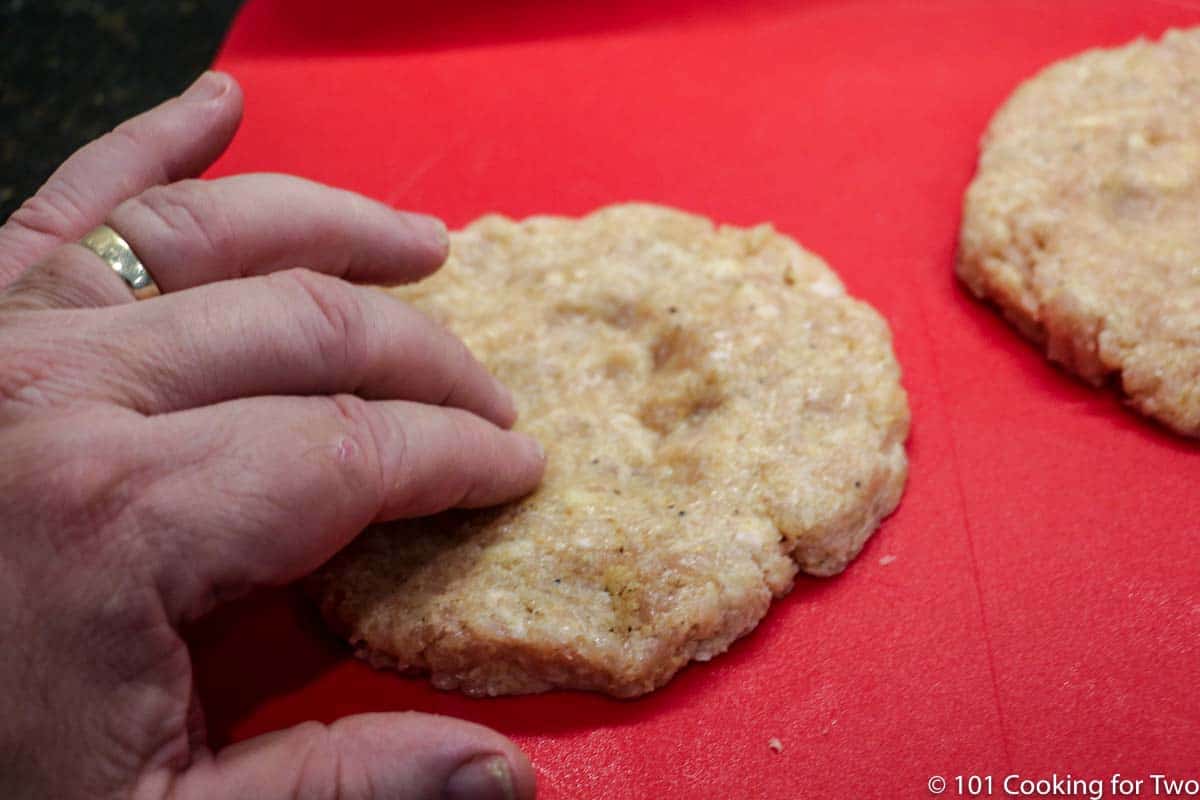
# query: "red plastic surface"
1041,614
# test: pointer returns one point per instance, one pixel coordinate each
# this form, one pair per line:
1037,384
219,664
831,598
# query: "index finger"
274,486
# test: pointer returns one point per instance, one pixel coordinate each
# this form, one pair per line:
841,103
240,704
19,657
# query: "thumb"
401,756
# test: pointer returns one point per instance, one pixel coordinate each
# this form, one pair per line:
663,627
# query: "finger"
178,139
277,485
400,756
197,232
292,333
70,277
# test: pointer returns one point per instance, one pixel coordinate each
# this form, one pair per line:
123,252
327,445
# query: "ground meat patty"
717,413
1083,223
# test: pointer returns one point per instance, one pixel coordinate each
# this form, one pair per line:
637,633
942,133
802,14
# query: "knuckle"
469,446
332,316
22,379
459,364
31,291
358,450
319,763
37,368
53,212
188,215
68,278
127,135
460,454
350,744
132,136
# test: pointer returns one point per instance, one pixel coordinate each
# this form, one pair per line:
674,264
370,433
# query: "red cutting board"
1034,605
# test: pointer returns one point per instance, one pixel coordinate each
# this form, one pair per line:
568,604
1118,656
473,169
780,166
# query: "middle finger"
291,333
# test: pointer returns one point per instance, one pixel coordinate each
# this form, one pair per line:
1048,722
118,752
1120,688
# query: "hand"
159,457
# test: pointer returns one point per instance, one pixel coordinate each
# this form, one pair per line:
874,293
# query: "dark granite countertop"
73,69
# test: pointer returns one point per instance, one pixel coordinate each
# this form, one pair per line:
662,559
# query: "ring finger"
196,232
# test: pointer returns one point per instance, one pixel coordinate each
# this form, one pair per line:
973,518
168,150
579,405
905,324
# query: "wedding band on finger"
116,252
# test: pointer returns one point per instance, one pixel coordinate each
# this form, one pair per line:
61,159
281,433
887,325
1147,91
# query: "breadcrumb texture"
1083,223
716,412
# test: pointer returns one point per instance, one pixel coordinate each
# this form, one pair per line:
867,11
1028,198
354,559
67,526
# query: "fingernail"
508,405
436,230
536,448
442,235
208,86
484,778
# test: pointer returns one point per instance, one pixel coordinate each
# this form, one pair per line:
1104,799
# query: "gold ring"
116,252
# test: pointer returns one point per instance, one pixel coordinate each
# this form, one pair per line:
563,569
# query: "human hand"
160,457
